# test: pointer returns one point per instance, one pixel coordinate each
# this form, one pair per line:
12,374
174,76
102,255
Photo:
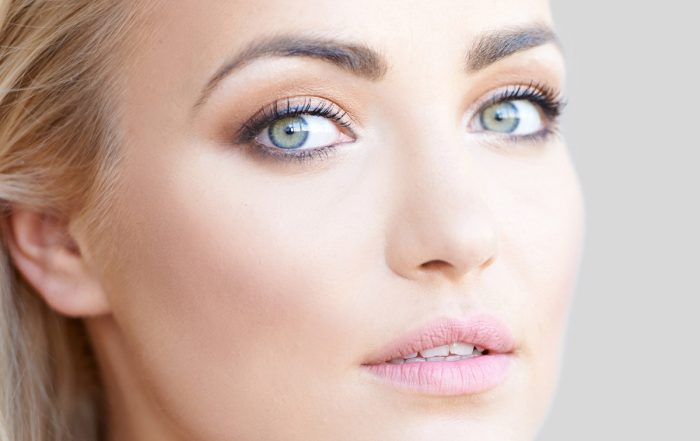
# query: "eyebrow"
496,45
367,63
354,58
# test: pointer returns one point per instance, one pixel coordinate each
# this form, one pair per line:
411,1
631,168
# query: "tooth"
397,361
454,358
440,351
436,359
414,355
461,348
480,349
415,360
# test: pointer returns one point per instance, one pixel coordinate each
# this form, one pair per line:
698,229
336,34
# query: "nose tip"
474,250
448,246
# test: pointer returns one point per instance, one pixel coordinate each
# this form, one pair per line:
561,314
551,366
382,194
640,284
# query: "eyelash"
549,100
269,114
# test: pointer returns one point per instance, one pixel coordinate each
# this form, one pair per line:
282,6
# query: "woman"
272,221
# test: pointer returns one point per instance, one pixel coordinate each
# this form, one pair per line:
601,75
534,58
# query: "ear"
49,258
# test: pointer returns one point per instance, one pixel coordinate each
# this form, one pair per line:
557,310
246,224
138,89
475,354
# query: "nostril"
434,264
488,262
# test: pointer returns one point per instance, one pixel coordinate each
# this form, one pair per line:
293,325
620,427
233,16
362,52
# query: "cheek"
238,291
551,256
540,212
542,239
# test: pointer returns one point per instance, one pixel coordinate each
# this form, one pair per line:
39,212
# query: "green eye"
512,117
300,132
501,117
289,133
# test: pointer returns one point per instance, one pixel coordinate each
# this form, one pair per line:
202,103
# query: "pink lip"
466,376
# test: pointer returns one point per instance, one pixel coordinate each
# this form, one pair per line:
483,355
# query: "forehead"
358,15
192,37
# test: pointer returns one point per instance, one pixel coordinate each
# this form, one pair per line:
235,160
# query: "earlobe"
49,259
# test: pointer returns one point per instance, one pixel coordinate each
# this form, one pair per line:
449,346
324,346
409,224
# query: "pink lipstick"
449,356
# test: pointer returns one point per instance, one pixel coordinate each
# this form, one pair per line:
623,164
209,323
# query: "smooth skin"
245,293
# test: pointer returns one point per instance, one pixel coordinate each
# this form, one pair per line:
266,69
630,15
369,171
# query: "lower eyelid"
539,138
304,156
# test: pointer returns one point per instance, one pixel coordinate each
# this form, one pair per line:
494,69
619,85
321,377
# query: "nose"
441,227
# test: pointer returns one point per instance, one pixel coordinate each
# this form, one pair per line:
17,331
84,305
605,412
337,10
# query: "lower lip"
468,376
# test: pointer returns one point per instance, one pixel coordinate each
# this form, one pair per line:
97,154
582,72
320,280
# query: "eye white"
530,118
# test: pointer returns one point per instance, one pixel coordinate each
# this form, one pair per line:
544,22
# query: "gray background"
631,366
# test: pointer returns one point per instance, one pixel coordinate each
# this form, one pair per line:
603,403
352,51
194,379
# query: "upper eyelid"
306,101
496,95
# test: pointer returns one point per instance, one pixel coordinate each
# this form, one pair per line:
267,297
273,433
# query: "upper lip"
481,330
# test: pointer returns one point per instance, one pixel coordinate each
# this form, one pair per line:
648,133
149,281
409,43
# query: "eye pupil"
289,133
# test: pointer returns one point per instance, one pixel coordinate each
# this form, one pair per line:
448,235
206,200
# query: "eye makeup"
547,101
547,98
278,110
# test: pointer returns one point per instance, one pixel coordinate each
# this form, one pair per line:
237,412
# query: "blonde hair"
58,153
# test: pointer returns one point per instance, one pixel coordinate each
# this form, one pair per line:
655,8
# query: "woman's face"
248,290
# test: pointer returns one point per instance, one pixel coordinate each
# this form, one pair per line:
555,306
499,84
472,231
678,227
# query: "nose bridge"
441,225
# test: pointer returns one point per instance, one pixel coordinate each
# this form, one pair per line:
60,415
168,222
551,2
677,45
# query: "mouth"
451,352
448,356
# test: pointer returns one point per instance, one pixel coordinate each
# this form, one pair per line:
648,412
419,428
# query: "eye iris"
501,117
289,133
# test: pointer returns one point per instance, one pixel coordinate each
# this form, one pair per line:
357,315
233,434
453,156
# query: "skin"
245,293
